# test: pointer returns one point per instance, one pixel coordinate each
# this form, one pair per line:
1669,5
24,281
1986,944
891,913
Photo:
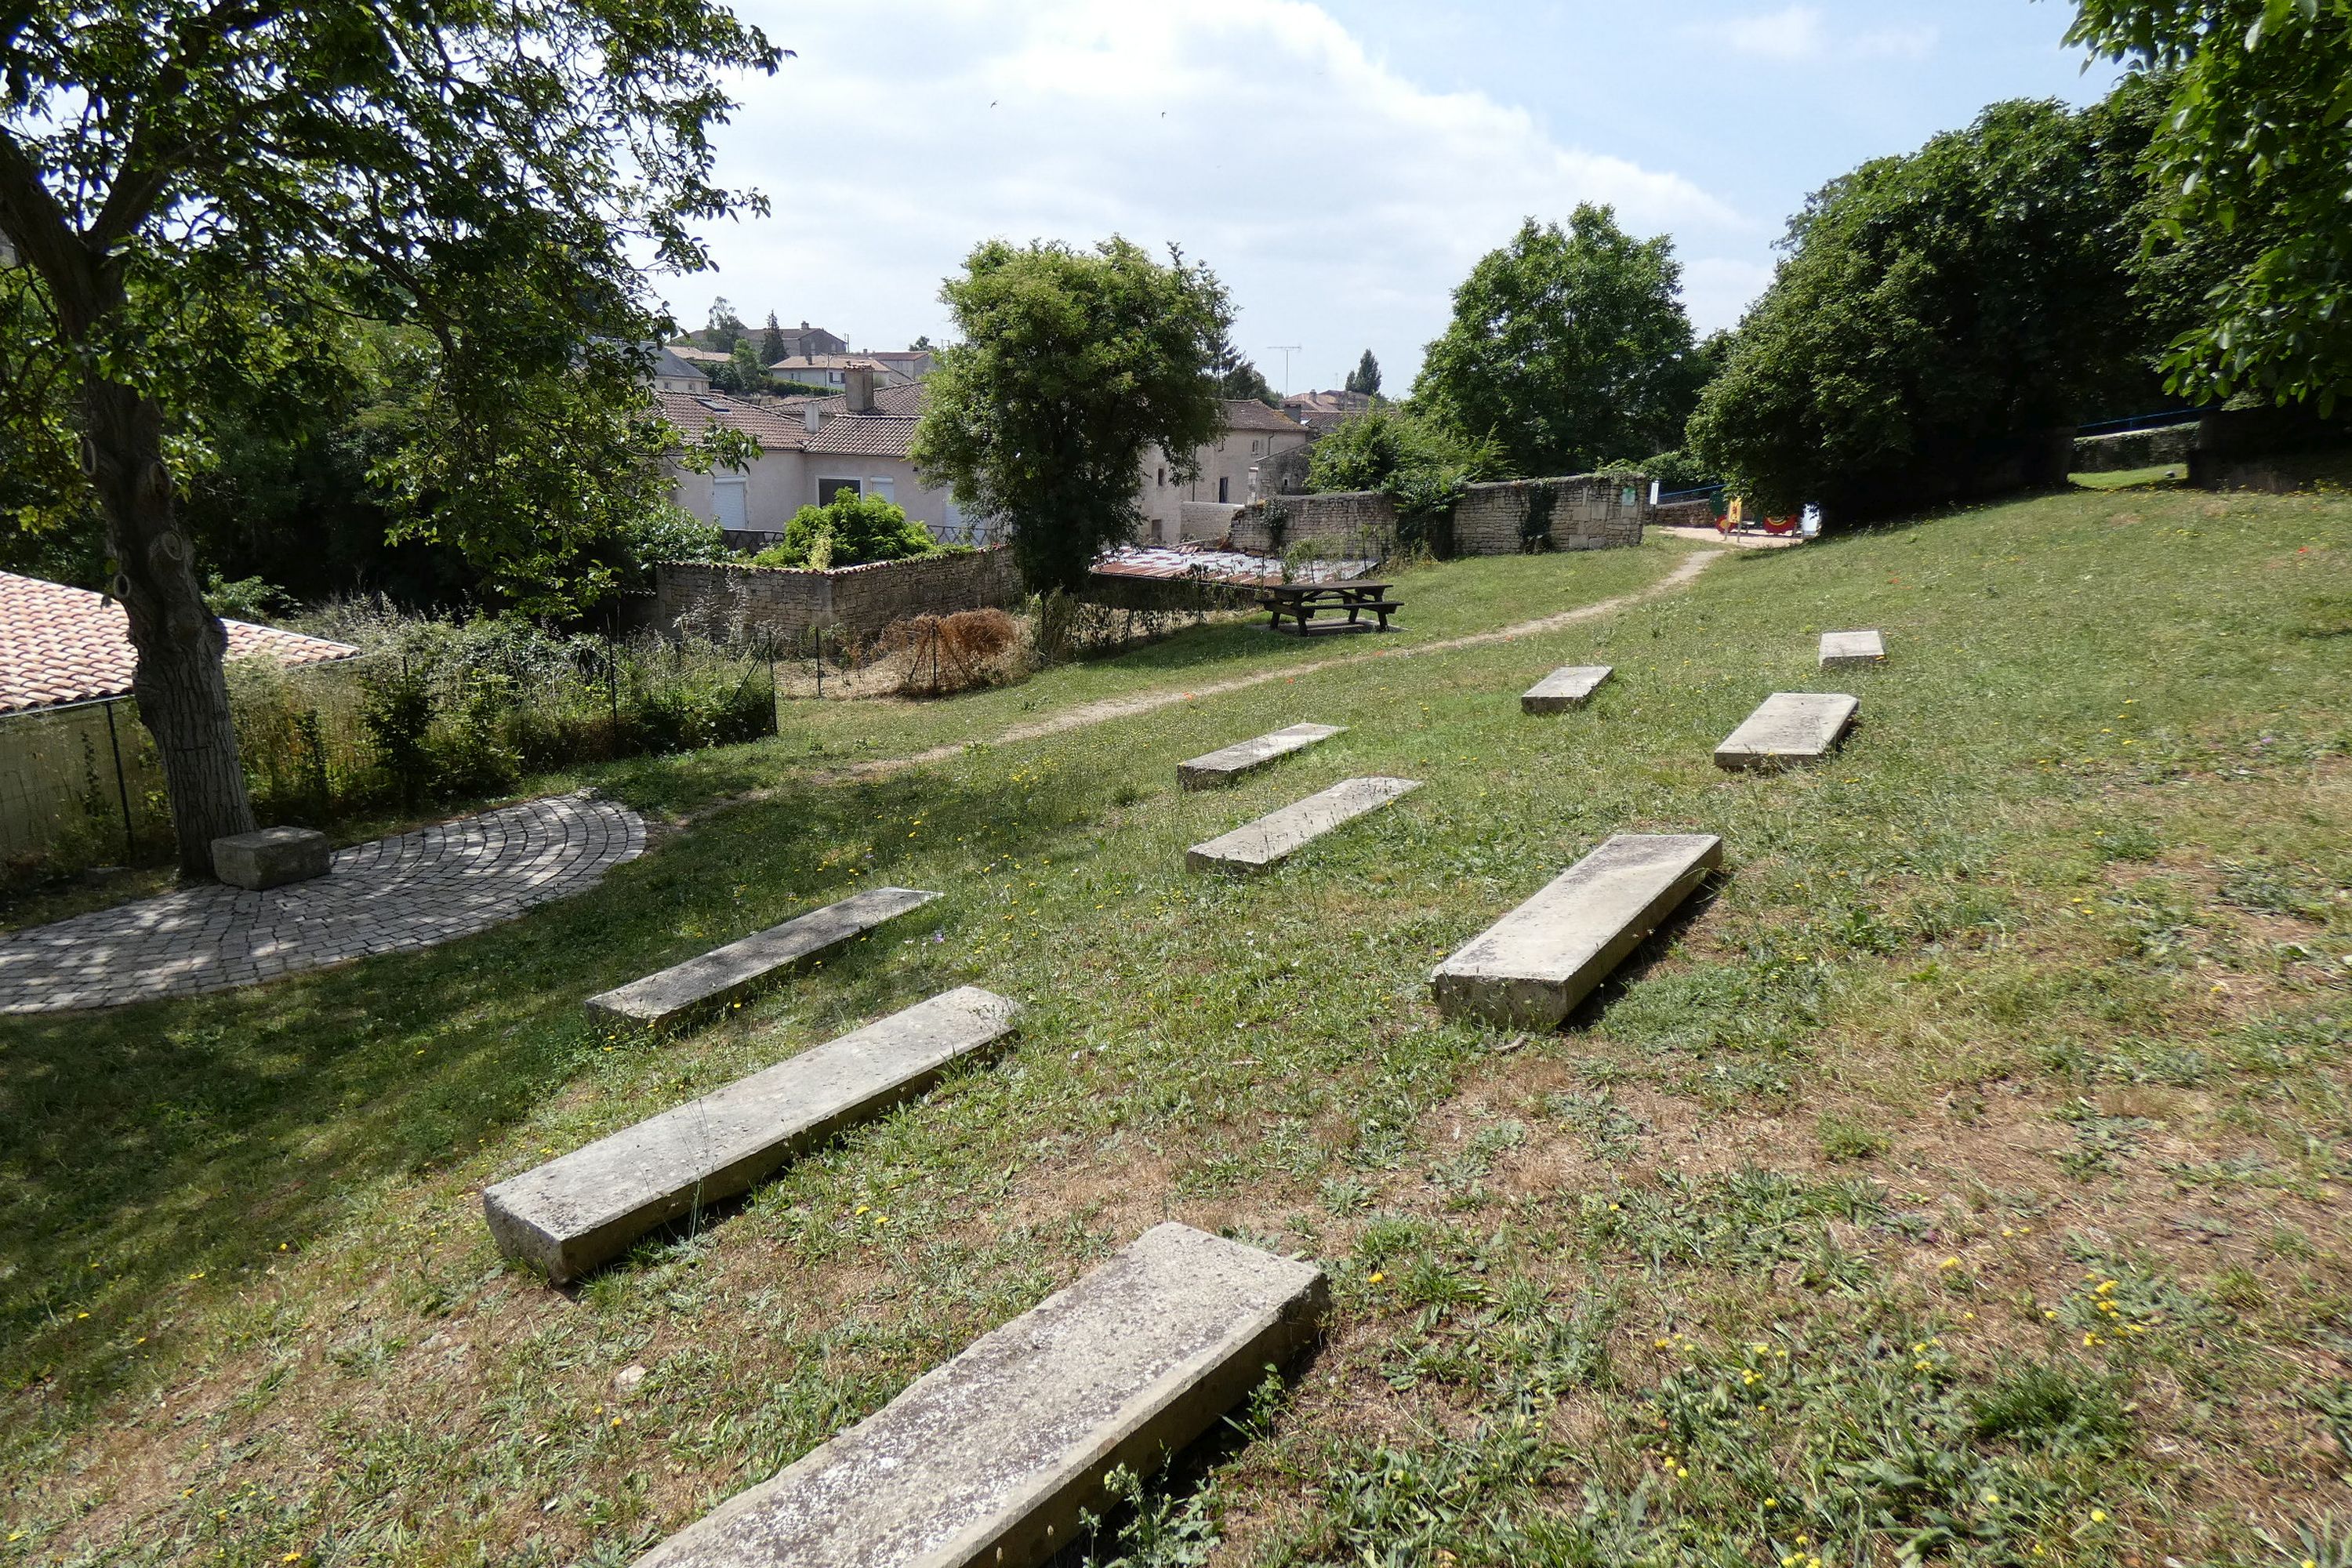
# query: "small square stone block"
271,858
1564,690
1841,650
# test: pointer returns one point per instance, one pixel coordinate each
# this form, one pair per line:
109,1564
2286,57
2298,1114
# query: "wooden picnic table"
1300,603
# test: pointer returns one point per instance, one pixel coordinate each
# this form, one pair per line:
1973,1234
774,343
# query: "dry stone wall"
2134,448
1584,513
1580,513
859,601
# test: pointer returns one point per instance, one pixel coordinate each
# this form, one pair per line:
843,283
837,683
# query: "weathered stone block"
986,1461
1564,689
725,972
1276,836
1225,767
271,858
1535,964
1841,649
586,1207
1789,727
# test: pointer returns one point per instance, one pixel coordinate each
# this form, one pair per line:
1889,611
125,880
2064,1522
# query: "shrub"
848,530
1420,466
951,653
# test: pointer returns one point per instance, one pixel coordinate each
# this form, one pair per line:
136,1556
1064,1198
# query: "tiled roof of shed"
60,646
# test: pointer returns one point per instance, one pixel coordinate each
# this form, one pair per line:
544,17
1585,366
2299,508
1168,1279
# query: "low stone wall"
859,601
1204,519
2134,448
1508,517
1697,513
1363,521
1584,512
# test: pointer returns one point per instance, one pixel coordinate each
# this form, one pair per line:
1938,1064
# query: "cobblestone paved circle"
413,890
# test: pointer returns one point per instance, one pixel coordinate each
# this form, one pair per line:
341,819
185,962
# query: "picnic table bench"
1299,601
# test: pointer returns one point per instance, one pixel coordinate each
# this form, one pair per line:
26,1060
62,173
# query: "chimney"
811,417
858,386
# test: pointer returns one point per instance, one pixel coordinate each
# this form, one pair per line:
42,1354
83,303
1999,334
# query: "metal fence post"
122,790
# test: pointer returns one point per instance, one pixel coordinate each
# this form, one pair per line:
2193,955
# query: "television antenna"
1286,350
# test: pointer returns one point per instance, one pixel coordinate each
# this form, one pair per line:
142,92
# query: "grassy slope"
1795,1244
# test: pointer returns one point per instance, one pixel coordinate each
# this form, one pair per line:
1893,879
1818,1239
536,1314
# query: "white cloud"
1803,32
1338,200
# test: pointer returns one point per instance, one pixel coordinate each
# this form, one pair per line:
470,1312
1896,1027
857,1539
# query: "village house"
810,450
1253,432
1322,411
831,372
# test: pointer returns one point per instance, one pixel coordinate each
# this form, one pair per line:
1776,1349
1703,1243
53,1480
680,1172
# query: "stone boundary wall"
1697,513
1204,519
1584,513
859,601
1506,518
1356,518
2134,448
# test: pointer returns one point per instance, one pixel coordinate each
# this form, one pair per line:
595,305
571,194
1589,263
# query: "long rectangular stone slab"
1845,650
725,972
988,1459
1535,964
1565,689
1789,727
1276,836
587,1208
1225,767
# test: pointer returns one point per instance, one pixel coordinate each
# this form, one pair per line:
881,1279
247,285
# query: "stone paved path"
415,890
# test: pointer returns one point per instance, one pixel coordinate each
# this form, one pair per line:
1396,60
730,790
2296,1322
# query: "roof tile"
59,646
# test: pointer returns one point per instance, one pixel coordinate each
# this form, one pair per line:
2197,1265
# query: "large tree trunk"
182,693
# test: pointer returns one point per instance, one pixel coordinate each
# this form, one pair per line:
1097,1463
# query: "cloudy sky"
1341,165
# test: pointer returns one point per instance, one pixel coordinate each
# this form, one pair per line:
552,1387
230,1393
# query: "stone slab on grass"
1789,727
1563,690
1535,964
725,972
986,1460
1841,650
1276,836
271,858
1223,767
587,1208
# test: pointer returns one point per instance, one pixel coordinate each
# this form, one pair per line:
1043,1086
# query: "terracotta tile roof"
694,412
61,644
907,400
825,361
864,434
700,356
1249,413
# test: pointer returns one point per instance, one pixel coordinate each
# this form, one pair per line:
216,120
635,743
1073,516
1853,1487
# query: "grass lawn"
2134,478
1963,1179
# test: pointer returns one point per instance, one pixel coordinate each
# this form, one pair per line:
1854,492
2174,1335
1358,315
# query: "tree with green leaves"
1072,363
2252,145
1239,381
1422,466
723,329
1567,346
1365,378
1941,318
772,341
191,189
